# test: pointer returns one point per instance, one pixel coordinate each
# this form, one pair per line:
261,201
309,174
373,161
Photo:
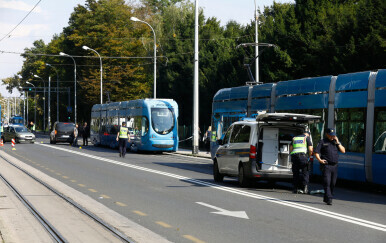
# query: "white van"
259,149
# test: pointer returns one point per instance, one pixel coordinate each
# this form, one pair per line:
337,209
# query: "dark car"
62,132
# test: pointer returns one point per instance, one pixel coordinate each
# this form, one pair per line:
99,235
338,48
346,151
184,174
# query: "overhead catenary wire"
8,34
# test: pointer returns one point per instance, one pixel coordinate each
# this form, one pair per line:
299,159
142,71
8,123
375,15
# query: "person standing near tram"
122,138
300,164
327,154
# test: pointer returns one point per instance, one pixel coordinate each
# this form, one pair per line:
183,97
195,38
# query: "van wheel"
243,181
217,176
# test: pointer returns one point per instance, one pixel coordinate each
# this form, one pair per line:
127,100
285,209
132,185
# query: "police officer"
300,169
327,154
123,138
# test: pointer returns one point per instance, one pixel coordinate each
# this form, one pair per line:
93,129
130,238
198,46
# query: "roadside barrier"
13,144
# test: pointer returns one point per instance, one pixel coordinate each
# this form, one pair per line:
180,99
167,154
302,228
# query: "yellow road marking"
104,196
120,204
140,213
194,239
163,224
52,171
65,177
37,164
92,190
58,173
81,185
47,168
73,180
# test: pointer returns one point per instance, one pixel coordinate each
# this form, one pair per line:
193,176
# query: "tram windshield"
162,120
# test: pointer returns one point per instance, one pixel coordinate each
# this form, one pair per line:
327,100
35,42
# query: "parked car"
259,148
62,132
19,133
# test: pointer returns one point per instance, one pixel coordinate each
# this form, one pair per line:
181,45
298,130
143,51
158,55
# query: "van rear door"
287,117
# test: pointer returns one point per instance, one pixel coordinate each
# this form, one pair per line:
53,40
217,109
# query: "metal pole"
35,108
155,54
8,108
64,54
257,46
195,99
57,91
24,108
27,110
101,69
44,109
49,101
155,65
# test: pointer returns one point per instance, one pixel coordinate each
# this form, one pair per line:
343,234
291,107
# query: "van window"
240,134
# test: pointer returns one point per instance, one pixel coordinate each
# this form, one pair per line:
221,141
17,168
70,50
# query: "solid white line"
342,217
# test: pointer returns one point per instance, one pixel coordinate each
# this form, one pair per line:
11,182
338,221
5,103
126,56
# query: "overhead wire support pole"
257,44
101,69
195,86
44,102
64,54
35,101
155,53
57,89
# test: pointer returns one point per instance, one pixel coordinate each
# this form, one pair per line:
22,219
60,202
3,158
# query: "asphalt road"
176,197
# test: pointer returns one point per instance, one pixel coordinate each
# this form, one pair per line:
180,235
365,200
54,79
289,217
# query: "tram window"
145,125
350,127
137,124
380,131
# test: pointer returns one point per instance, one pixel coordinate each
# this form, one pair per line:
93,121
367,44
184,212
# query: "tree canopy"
313,38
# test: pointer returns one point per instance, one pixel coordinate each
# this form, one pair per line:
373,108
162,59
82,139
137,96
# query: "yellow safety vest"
123,132
299,145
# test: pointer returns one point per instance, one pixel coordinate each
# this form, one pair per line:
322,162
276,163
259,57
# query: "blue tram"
152,124
354,103
16,120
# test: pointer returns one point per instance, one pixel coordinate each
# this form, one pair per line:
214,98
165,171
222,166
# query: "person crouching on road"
327,154
300,164
76,133
123,138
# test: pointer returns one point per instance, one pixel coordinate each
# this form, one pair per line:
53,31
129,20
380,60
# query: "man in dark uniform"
123,138
300,169
327,154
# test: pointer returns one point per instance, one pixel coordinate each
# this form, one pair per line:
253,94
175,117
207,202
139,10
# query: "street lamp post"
195,92
35,101
57,91
101,70
44,102
155,54
64,54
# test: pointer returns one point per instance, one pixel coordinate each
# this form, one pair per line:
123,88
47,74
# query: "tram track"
49,227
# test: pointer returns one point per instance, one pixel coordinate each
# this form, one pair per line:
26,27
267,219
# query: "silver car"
19,133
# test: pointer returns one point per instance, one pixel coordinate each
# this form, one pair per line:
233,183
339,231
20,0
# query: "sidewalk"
188,152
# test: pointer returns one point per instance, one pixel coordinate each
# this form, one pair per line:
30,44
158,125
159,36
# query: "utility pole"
257,45
195,86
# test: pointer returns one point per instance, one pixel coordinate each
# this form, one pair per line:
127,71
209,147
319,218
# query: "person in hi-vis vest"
123,138
300,164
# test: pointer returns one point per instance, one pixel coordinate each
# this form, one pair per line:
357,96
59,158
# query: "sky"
51,16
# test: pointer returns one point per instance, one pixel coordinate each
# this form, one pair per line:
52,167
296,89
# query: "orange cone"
1,142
